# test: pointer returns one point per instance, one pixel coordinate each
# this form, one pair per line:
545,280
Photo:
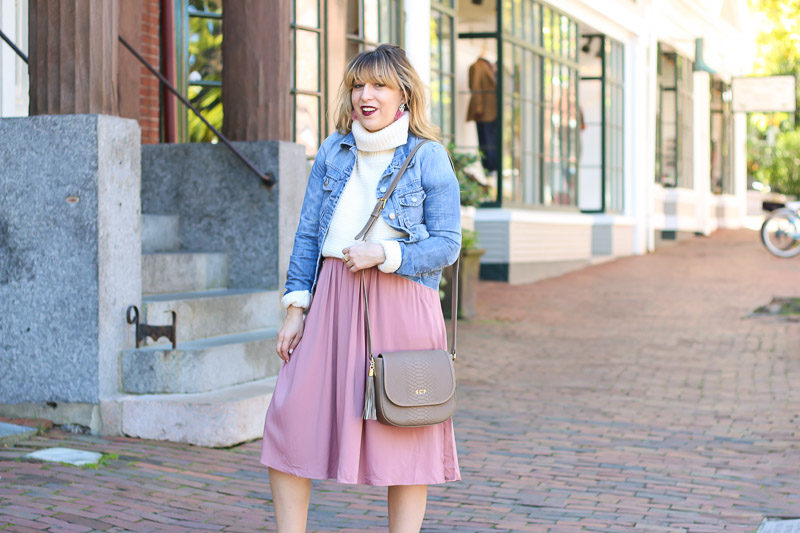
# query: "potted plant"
473,192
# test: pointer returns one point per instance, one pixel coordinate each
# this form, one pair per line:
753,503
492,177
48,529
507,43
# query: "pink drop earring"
400,111
353,115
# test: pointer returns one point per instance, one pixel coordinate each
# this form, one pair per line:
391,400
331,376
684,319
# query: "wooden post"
255,76
73,56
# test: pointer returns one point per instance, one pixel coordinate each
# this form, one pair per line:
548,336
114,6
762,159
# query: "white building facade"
614,131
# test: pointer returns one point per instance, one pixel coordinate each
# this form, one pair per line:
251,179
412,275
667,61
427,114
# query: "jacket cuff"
393,256
297,299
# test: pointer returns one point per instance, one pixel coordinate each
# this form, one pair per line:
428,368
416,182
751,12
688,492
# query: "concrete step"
220,418
159,233
202,365
206,314
11,434
164,272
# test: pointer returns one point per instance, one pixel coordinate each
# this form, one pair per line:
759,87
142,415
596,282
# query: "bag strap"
453,316
362,235
376,211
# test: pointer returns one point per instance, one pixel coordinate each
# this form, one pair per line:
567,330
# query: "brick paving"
637,395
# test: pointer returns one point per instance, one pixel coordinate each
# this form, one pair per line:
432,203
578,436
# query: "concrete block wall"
70,258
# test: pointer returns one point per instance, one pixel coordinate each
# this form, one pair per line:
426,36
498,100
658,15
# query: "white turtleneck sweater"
375,152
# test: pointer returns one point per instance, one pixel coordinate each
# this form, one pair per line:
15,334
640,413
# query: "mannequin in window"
483,107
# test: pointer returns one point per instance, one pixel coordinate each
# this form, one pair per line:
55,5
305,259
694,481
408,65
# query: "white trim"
618,20
726,200
418,39
495,214
13,71
674,223
673,194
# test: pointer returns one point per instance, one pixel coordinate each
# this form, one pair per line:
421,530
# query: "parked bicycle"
780,232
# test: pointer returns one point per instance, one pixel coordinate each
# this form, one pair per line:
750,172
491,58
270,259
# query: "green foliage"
778,40
777,53
204,64
777,49
103,461
469,239
779,165
472,191
208,100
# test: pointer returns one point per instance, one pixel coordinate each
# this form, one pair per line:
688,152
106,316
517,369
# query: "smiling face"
375,104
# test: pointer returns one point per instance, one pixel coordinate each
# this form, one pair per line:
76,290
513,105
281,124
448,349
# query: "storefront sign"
764,94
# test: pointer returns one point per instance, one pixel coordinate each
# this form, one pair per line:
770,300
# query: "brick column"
255,76
74,56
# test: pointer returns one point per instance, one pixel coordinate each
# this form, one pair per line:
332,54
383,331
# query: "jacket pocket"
328,183
411,204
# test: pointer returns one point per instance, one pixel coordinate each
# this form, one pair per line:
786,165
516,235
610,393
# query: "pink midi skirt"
314,428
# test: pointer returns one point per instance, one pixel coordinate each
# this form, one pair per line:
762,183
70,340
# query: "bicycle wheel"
780,232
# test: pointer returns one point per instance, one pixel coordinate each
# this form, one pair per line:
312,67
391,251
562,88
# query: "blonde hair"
387,64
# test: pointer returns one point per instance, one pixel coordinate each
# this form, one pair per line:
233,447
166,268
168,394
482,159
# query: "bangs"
372,67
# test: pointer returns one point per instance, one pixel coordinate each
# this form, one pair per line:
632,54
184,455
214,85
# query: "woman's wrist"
294,310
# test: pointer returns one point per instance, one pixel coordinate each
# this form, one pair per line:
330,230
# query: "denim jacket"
425,205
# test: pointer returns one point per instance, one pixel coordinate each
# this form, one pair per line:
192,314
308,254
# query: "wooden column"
130,85
337,52
255,73
73,56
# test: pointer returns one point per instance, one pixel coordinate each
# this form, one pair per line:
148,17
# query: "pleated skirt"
314,428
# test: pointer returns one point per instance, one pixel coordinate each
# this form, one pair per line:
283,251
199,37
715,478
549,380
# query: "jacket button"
383,189
392,216
325,183
413,198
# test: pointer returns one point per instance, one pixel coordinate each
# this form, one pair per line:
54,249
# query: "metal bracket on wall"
154,332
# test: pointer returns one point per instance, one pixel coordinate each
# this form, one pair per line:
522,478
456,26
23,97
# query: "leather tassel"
369,397
369,401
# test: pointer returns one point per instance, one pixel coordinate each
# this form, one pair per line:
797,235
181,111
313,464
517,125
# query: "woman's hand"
363,255
290,333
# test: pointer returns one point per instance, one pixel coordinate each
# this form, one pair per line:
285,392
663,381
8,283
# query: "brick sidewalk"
637,395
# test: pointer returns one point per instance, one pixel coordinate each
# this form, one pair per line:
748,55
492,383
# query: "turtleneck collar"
392,136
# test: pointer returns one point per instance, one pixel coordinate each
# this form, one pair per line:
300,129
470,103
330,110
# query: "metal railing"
14,47
267,178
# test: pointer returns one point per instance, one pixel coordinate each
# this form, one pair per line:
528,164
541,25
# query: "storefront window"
721,135
443,67
601,124
535,77
308,74
613,125
559,103
674,121
199,66
372,22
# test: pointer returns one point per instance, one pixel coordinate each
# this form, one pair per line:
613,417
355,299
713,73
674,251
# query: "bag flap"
418,377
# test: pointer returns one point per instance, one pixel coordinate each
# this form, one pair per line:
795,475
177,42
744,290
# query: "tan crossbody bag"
410,388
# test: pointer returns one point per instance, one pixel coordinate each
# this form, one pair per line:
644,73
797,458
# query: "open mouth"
368,110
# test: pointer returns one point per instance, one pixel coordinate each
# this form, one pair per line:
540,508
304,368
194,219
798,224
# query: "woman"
314,426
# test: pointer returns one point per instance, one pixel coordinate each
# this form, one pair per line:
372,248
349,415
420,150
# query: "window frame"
613,117
322,70
395,25
725,113
444,8
681,86
183,12
557,50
